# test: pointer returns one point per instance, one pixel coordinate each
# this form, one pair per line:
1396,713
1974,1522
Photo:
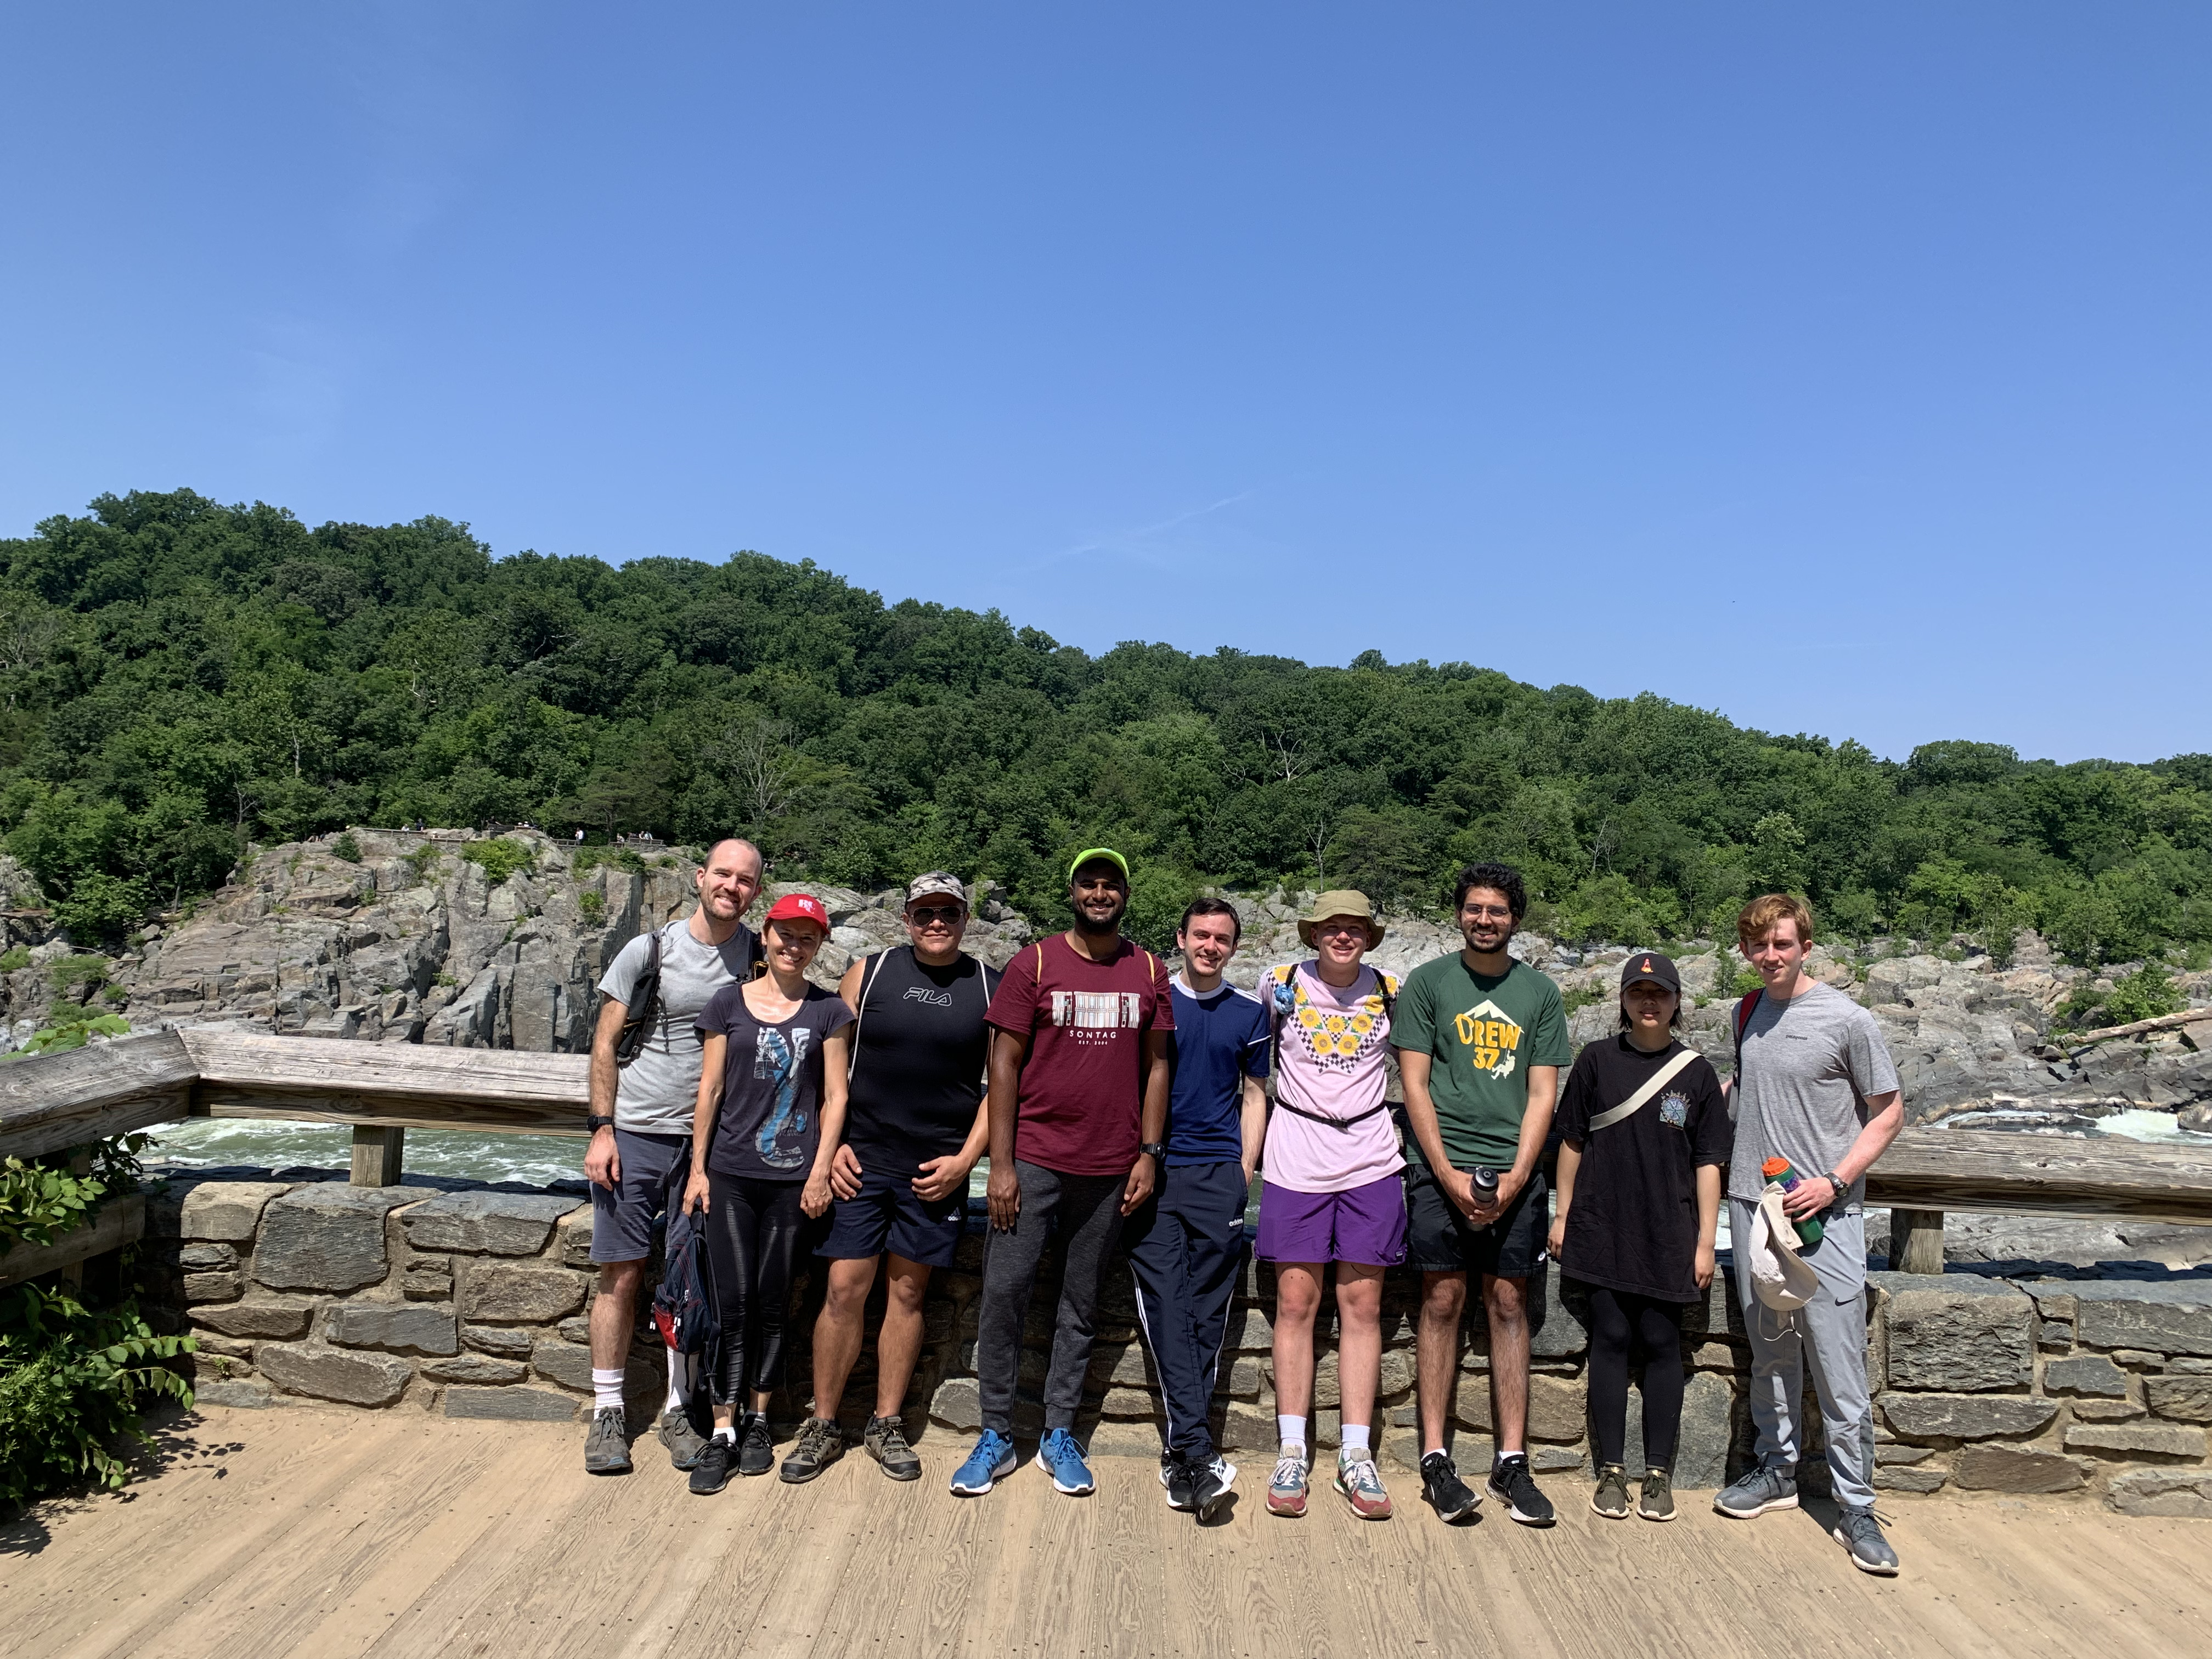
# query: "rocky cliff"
443,937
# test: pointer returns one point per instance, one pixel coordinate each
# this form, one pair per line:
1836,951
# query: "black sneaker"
1510,1479
1183,1478
710,1472
756,1445
1443,1490
821,1443
885,1440
606,1443
1210,1484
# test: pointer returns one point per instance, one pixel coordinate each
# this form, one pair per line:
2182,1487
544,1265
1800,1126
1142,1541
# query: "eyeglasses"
1488,912
922,914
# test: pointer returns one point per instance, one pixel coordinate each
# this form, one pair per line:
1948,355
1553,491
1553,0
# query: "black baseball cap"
1650,964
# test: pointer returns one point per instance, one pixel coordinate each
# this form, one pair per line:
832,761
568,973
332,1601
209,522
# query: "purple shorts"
1364,1224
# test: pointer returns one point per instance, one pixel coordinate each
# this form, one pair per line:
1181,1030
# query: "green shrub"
102,904
15,956
72,1378
71,1027
347,848
589,858
2146,993
593,904
498,858
1746,981
1582,996
422,858
86,970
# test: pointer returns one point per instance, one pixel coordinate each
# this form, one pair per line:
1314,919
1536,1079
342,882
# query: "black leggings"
1619,1319
753,1230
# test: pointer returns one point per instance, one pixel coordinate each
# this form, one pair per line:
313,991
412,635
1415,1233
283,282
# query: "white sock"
727,1431
1427,1452
1504,1452
1290,1430
679,1380
1352,1437
606,1388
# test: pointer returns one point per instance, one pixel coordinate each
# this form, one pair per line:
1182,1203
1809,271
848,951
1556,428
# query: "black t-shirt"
1634,1223
770,1123
918,1060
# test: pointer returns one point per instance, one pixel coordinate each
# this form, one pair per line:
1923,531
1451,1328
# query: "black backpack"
684,1307
642,1013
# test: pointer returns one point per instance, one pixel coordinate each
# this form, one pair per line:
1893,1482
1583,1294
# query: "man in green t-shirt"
1480,1039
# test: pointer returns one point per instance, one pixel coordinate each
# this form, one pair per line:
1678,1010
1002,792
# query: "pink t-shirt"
1329,1060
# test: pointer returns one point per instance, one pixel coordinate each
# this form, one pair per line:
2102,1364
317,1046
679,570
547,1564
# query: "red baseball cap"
800,907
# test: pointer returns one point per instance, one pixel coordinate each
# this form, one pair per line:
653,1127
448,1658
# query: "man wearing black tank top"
914,1126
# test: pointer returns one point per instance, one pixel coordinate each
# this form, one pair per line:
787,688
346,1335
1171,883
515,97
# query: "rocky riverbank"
442,937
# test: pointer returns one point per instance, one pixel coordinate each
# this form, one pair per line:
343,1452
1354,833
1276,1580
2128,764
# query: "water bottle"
1486,1183
1811,1229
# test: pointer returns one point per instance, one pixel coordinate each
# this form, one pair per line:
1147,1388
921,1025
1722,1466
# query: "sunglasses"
922,914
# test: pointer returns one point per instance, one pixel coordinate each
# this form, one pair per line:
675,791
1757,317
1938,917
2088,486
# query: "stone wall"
468,1302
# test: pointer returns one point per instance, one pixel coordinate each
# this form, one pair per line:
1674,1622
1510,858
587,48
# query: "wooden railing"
383,1089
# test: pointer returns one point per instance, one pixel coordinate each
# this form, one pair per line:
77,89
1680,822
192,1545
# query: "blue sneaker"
991,1462
1061,1455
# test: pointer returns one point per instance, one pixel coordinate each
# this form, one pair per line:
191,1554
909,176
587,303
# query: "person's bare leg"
1436,1351
614,1313
1297,1299
1507,1302
838,1331
1360,1341
898,1345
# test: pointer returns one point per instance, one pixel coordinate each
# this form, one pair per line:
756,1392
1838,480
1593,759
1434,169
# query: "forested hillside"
180,678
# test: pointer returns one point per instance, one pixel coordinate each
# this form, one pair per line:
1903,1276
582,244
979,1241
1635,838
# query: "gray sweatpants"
1828,1333
1086,1212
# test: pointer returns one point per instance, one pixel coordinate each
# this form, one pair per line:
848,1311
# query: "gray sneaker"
1858,1532
1611,1499
886,1442
821,1443
681,1436
1757,1492
606,1445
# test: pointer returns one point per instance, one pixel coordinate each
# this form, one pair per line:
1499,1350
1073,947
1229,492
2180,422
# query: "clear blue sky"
1846,369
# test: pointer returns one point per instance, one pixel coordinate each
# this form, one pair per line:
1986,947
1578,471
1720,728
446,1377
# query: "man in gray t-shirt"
641,1122
1814,1085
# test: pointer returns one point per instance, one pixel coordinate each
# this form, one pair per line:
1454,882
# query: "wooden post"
377,1153
1916,1241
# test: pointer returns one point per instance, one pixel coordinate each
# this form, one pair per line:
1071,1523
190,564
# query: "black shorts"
889,1214
1439,1240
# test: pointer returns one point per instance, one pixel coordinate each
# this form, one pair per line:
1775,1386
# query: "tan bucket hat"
1339,901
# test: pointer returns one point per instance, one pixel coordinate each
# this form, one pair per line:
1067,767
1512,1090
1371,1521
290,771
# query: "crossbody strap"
1652,1085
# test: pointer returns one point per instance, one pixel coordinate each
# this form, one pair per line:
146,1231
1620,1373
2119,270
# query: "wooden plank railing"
382,1090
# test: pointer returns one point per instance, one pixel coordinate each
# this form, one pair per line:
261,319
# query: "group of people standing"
1124,1106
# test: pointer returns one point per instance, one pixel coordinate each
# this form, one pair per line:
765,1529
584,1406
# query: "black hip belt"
1332,1122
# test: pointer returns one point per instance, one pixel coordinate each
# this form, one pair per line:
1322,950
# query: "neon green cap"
1090,855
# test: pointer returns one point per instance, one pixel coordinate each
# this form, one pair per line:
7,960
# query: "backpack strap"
1744,1006
875,966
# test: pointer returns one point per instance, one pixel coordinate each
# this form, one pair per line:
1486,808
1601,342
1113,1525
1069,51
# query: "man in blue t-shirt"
1186,1245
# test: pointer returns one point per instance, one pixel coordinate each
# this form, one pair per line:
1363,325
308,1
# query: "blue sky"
1844,369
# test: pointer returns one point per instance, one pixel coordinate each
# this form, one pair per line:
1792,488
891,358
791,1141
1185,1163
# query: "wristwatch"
1154,1149
1843,1186
594,1122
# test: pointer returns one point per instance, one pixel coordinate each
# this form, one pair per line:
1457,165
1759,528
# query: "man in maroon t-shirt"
1078,1104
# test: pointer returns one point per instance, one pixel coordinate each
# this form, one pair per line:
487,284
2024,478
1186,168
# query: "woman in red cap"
771,1108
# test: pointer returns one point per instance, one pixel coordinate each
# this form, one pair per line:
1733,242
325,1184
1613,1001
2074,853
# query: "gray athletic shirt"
657,1092
1808,1066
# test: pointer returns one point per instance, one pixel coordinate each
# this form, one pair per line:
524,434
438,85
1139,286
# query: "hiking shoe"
885,1440
1443,1490
1858,1532
1211,1482
681,1435
1363,1489
1286,1490
1511,1480
1171,1465
1060,1454
1611,1497
1757,1492
991,1462
821,1443
606,1445
711,1472
1658,1503
756,1445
